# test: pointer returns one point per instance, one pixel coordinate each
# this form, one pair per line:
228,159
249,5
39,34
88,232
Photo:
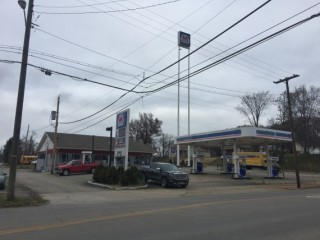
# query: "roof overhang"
238,136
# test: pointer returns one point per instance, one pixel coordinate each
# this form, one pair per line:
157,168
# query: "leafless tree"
253,105
162,144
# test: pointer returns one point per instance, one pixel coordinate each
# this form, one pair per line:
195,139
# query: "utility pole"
163,145
26,142
286,80
55,137
19,107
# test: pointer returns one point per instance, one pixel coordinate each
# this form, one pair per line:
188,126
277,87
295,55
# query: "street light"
19,107
110,147
23,4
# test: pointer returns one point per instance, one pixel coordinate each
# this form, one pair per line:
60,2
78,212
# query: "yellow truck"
27,159
253,159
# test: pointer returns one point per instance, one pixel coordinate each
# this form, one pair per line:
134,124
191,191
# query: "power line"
237,52
230,48
80,6
88,49
132,90
113,11
255,59
110,115
212,39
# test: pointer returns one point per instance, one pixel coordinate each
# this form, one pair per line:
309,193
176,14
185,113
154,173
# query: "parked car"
3,178
75,166
165,173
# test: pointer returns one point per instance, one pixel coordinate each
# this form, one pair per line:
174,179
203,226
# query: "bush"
120,170
115,176
124,179
97,175
112,176
134,176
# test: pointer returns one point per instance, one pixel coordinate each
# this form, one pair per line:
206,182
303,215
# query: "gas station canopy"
238,136
235,137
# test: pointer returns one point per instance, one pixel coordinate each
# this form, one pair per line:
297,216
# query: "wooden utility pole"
55,137
19,107
26,142
286,80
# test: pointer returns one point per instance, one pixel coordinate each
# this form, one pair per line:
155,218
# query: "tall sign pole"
189,104
292,126
184,41
178,118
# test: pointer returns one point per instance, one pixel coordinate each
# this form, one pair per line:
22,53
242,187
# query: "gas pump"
199,165
273,167
227,164
240,169
243,169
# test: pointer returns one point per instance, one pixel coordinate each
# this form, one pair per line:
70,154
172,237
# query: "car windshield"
71,162
169,167
1,173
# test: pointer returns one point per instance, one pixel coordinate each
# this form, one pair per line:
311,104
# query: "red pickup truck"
75,166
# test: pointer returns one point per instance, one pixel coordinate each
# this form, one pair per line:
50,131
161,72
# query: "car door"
76,167
153,171
157,173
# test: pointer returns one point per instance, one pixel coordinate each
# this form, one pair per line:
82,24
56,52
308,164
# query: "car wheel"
93,170
164,182
184,186
65,172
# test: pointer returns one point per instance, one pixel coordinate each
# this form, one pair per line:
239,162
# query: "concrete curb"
113,187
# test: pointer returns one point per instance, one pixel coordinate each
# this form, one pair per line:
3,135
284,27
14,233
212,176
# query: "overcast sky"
117,42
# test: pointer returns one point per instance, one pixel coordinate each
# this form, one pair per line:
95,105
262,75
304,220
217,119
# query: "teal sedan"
3,178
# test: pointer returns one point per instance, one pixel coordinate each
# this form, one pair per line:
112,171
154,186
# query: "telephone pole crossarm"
287,78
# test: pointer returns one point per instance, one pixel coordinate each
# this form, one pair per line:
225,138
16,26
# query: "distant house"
96,148
310,150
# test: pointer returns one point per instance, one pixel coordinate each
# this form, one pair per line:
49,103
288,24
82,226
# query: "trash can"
199,167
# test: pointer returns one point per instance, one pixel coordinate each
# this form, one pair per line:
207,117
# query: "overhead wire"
132,90
241,51
80,6
255,59
233,47
244,49
111,11
212,39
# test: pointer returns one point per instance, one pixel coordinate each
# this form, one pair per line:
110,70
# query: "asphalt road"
212,207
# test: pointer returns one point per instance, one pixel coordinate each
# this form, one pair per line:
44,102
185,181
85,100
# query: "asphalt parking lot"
59,188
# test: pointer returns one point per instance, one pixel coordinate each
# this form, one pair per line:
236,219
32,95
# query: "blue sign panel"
273,134
209,136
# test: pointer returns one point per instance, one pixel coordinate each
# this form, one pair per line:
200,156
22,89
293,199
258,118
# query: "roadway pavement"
213,206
